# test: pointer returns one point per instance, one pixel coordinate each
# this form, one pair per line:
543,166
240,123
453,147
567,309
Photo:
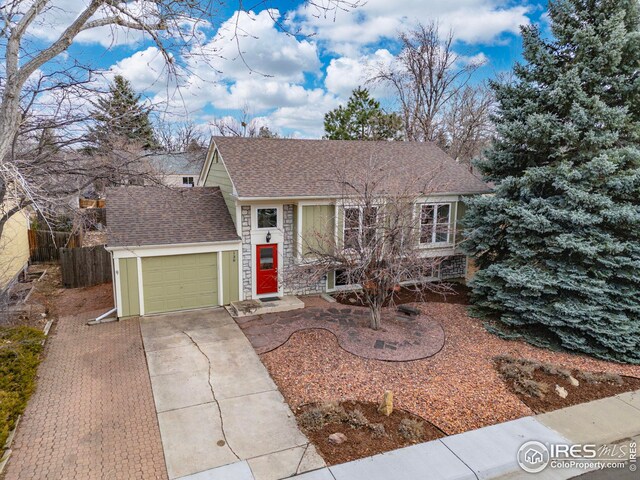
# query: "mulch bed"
451,293
360,441
457,390
585,392
401,337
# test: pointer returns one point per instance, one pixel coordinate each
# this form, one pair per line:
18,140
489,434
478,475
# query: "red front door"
266,269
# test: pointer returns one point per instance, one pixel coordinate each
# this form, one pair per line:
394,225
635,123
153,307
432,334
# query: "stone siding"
246,251
453,267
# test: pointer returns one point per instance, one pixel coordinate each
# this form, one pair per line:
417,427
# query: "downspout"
104,318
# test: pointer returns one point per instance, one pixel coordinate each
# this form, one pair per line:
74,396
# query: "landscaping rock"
408,310
573,381
337,438
386,407
562,393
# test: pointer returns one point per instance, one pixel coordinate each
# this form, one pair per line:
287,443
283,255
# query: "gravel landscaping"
458,389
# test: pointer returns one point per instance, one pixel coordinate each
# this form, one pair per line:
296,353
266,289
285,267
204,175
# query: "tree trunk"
376,313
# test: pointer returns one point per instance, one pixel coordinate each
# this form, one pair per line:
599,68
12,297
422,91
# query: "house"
255,202
14,247
176,169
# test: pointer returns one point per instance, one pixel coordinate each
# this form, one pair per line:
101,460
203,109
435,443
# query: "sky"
296,64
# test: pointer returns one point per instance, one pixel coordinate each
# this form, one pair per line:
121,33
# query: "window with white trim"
359,226
267,217
435,223
187,181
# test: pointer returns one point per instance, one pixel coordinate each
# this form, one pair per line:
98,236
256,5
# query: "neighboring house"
257,203
180,169
14,248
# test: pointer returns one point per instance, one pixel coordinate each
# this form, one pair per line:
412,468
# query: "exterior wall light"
268,237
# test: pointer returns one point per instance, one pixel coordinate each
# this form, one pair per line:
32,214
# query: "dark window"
351,227
266,259
267,217
187,181
341,278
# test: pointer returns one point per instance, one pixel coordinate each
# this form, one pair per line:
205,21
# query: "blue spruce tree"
558,245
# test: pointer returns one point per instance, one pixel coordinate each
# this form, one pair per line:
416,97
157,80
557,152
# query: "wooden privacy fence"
85,266
44,244
90,203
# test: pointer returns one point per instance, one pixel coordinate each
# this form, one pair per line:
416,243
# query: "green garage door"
180,282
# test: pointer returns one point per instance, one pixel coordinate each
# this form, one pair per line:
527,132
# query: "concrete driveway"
216,402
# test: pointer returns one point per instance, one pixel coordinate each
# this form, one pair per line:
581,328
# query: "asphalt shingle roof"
262,167
155,215
177,163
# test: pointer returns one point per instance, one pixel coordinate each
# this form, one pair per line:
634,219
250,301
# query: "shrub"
334,412
555,370
532,388
357,419
312,419
20,349
601,377
377,430
411,430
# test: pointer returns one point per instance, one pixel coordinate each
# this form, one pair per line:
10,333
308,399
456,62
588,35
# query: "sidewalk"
486,453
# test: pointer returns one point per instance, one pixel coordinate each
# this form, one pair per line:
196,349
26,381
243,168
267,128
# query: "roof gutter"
334,197
171,245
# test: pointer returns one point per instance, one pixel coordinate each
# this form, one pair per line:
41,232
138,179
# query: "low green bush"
20,349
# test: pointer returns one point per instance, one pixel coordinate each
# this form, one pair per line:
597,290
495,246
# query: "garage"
180,282
183,256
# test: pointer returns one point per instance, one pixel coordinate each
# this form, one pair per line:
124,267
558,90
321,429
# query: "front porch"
261,306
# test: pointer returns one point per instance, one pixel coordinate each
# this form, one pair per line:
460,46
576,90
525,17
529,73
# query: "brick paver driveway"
92,415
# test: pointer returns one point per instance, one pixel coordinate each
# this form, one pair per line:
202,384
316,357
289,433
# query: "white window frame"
360,220
267,207
435,224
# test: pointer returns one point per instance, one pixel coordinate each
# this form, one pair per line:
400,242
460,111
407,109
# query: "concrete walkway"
217,405
490,452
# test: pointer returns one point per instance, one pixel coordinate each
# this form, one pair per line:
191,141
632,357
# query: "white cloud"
248,45
345,73
473,21
146,70
251,63
306,120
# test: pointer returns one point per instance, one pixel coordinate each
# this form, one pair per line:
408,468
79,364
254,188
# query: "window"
267,217
435,223
187,181
341,278
351,227
359,226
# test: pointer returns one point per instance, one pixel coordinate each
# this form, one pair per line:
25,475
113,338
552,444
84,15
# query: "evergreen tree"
362,119
120,115
558,245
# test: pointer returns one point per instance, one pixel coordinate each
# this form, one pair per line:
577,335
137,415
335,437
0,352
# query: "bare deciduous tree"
425,77
467,124
181,137
380,247
242,125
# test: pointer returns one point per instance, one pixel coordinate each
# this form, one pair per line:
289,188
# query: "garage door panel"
180,282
